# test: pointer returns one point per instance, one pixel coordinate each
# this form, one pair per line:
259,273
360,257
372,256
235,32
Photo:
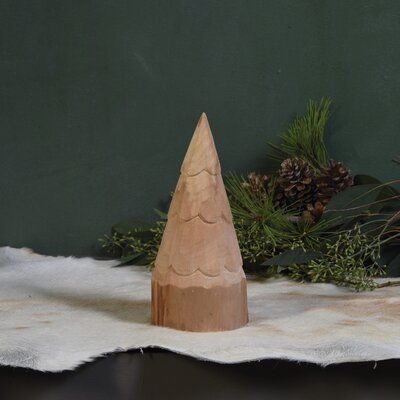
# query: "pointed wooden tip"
201,154
203,121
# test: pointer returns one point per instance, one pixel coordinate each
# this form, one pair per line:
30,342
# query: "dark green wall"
99,99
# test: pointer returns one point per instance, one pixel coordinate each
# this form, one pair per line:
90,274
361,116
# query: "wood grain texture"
198,283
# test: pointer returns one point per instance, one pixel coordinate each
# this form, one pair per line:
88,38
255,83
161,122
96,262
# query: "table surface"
157,374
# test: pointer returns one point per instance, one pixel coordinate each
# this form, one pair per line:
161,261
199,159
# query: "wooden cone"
198,283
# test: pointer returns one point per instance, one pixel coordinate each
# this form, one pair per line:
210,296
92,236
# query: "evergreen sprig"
263,229
135,244
304,137
350,260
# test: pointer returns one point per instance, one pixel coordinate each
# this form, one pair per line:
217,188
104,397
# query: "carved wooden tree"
198,283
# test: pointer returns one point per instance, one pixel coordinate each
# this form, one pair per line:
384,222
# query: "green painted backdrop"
99,99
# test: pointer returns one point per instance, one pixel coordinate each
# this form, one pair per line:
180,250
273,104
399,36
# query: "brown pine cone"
295,184
314,212
333,179
256,183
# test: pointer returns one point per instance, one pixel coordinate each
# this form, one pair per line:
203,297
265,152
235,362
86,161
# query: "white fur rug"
56,313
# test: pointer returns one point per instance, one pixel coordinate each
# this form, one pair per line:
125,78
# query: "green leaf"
351,203
296,256
391,206
129,259
373,224
386,196
362,179
133,227
281,268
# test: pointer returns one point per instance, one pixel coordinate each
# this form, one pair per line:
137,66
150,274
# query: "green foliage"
351,203
132,243
356,239
304,138
264,230
345,255
282,241
295,256
351,260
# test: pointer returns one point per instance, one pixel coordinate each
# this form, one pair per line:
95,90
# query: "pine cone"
256,183
295,184
333,179
314,212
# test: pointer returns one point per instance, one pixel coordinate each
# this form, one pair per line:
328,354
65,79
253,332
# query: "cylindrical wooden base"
199,309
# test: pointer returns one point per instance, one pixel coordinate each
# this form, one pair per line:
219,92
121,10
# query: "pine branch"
305,136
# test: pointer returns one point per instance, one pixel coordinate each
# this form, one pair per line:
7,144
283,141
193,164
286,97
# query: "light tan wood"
198,283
